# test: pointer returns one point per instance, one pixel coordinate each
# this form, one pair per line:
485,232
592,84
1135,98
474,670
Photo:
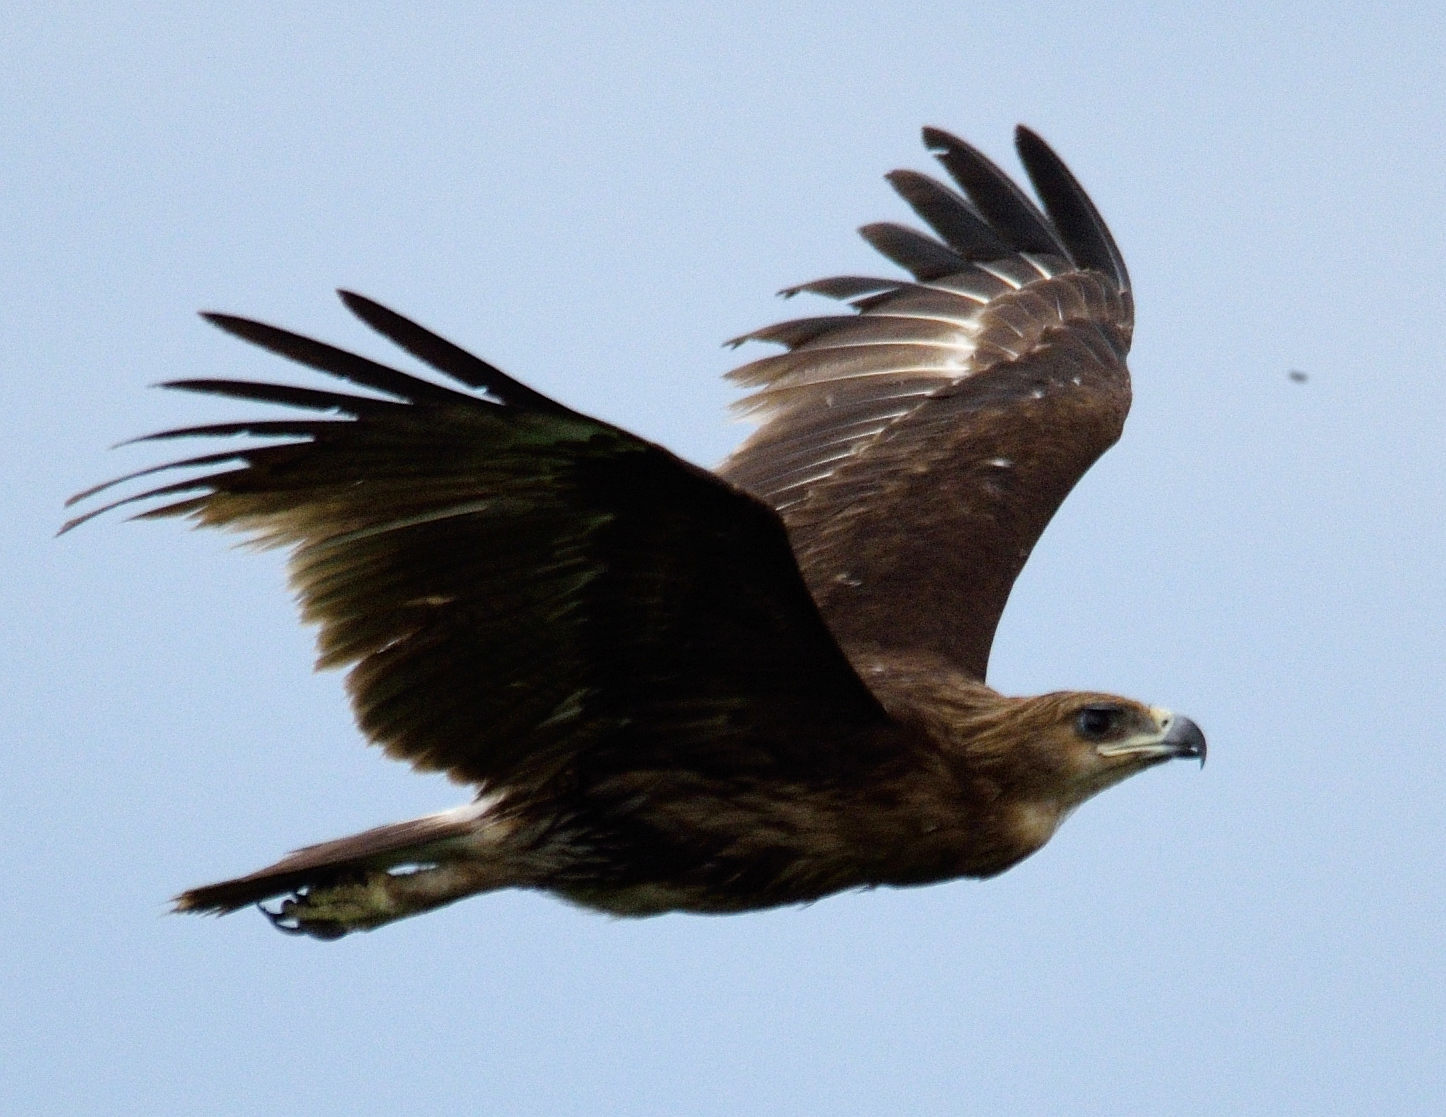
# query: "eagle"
681,690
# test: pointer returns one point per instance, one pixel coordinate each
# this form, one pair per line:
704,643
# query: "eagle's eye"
1095,723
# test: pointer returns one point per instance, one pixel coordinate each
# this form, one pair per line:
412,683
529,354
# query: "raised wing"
917,447
515,585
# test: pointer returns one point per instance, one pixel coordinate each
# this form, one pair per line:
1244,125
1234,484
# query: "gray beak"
1184,738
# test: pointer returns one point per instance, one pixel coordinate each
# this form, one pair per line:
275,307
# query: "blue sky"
593,197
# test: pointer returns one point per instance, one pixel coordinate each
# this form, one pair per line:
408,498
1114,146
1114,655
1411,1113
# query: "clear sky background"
593,197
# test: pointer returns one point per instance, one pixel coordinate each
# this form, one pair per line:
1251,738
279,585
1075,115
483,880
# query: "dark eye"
1097,722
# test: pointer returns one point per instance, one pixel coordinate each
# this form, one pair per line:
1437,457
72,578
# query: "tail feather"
327,863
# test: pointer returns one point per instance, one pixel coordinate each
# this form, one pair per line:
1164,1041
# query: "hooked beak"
1175,735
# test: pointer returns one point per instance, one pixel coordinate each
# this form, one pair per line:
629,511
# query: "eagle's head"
1043,756
1079,743
1023,764
1069,745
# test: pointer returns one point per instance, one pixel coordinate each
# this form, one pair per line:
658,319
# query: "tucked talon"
282,918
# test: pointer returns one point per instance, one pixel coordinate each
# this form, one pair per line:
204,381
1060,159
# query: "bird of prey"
683,690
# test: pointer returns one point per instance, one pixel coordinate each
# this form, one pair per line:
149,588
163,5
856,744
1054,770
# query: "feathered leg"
368,879
380,897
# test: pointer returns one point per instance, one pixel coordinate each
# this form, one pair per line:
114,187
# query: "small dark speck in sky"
1298,376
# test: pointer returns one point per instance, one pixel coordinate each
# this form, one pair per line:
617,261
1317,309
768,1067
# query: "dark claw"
282,919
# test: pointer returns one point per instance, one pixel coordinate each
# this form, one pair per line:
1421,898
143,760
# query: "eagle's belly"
742,849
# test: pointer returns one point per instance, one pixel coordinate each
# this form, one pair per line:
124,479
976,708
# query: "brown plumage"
680,690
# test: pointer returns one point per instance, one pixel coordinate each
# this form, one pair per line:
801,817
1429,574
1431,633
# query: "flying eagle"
683,690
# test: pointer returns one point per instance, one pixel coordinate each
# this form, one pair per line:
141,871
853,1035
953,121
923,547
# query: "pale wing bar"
917,338
917,447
